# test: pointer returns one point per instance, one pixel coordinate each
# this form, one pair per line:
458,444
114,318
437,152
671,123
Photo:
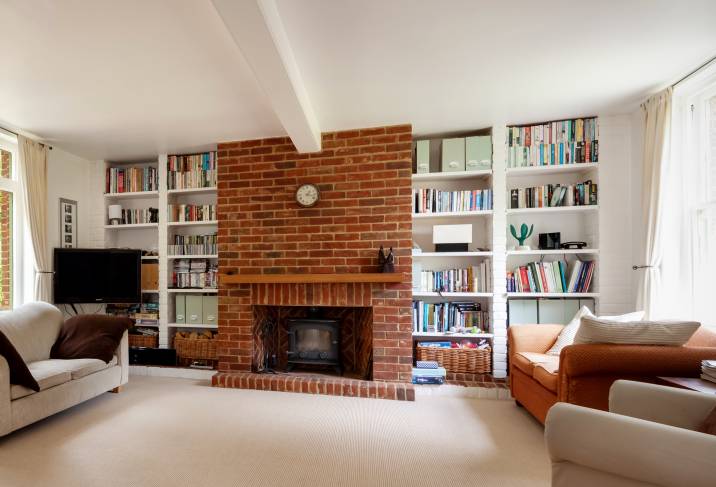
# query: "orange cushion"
546,374
526,361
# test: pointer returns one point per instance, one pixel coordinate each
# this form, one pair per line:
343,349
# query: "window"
693,186
10,228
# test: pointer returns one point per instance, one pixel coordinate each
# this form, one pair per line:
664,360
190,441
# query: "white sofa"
33,329
650,441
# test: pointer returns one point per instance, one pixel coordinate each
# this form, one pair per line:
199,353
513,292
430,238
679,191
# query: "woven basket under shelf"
459,360
147,341
196,349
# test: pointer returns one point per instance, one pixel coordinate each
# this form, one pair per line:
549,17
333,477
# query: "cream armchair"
647,439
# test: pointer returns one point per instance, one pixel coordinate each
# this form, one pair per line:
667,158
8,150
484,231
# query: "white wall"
68,176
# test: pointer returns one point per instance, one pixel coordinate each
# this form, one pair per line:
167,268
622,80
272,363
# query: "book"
193,245
571,141
551,277
452,317
554,195
192,171
131,179
473,279
439,201
191,213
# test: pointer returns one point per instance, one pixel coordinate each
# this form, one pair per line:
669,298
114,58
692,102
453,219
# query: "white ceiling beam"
258,31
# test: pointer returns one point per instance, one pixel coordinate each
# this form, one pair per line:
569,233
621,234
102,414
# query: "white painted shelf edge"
131,226
452,254
200,256
552,251
192,190
133,194
451,335
193,325
427,294
187,224
552,169
553,209
450,176
452,214
552,295
192,290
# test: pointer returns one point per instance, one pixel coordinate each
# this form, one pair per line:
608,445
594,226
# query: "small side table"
690,383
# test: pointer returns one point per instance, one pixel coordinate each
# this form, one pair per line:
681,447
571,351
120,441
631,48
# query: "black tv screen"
97,276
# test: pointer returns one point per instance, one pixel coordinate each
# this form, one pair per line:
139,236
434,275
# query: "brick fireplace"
364,177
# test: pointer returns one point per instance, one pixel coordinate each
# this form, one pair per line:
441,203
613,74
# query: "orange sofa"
583,374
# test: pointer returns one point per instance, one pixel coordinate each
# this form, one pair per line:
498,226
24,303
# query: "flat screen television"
97,276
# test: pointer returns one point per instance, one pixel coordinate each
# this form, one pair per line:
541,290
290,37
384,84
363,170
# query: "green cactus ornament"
524,235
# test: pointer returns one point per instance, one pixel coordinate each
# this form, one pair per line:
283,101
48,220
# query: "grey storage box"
453,157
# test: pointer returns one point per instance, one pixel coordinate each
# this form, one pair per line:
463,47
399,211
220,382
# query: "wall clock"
307,195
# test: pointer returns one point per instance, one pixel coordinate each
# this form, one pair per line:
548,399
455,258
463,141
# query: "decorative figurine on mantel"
524,235
386,263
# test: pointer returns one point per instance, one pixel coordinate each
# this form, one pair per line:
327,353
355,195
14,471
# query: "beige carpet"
175,432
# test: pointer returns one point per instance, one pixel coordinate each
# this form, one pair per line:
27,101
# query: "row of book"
143,313
551,277
192,213
473,279
193,245
555,195
452,317
562,142
192,171
146,215
195,273
131,179
438,201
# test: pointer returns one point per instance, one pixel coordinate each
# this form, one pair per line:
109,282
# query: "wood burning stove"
314,342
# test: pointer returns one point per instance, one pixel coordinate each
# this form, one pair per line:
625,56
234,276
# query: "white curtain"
33,175
656,113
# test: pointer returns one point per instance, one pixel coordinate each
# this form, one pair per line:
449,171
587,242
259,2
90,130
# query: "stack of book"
428,372
551,277
474,279
193,245
131,179
708,370
194,273
131,217
192,171
453,317
561,142
192,213
554,195
439,201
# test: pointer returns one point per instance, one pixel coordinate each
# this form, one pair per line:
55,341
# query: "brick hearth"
365,181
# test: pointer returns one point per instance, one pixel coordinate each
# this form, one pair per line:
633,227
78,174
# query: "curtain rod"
689,75
16,134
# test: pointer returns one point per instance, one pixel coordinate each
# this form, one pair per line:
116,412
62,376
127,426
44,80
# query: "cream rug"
177,432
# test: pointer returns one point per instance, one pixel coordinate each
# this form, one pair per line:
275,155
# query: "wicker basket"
195,349
146,341
459,360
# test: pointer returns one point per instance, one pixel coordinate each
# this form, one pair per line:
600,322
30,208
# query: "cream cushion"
32,329
566,337
47,373
598,330
53,372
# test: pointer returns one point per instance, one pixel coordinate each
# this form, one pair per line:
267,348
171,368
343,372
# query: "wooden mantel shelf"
311,278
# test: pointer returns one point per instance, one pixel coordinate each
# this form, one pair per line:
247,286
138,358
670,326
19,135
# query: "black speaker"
152,356
549,241
451,247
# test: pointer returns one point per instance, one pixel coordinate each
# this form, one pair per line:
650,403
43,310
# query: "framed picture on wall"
68,223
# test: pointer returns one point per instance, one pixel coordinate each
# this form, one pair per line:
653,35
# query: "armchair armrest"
123,357
661,404
633,360
628,447
5,397
532,338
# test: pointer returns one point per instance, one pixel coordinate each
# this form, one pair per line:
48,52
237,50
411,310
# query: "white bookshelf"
491,231
156,236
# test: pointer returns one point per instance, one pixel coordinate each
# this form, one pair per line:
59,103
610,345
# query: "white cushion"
598,330
53,372
47,373
32,329
566,336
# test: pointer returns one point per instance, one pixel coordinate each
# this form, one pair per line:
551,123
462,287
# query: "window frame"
8,142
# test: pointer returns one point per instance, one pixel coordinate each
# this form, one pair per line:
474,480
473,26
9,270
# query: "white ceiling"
128,79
